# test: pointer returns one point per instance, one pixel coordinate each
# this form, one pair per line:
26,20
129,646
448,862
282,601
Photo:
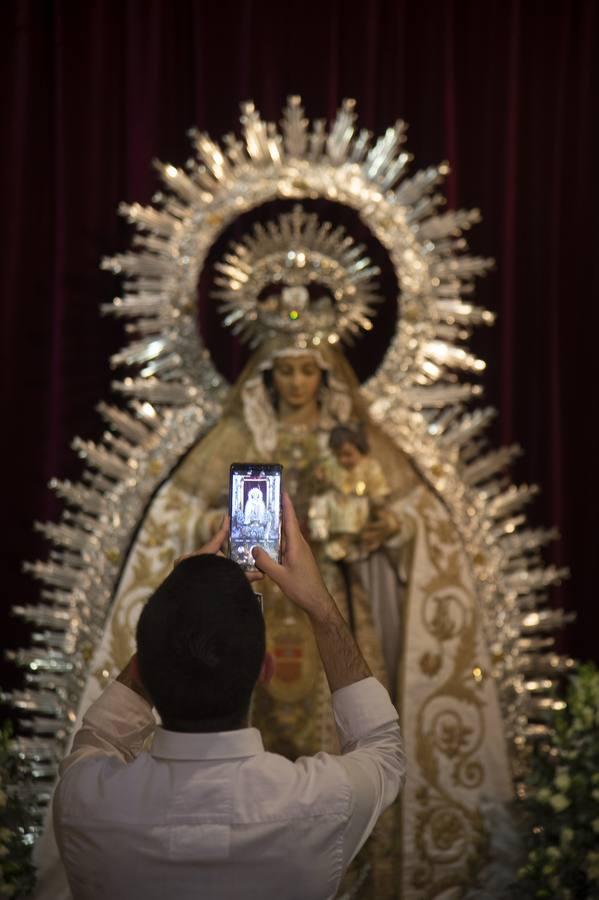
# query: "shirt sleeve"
372,756
117,725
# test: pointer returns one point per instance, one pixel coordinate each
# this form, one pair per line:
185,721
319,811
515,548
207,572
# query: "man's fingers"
179,559
253,576
265,562
291,527
289,511
214,545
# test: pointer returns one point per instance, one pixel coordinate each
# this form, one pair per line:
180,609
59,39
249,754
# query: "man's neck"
206,726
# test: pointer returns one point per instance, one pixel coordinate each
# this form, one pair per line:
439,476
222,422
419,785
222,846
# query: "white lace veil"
338,395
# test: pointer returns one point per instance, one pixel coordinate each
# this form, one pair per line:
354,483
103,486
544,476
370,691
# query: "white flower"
566,836
592,866
3,851
544,795
595,825
2,799
559,802
562,780
553,852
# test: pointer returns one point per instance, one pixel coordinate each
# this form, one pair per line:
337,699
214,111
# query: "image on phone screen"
254,511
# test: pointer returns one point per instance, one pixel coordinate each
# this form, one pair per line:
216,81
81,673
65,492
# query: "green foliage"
17,874
562,806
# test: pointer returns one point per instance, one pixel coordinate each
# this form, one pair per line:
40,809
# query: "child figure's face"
347,455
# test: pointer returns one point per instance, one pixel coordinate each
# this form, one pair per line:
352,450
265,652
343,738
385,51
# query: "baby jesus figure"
355,489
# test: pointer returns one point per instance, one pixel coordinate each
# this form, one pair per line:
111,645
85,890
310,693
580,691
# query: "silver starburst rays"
264,283
344,166
173,393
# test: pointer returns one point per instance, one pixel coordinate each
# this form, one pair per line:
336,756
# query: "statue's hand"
383,526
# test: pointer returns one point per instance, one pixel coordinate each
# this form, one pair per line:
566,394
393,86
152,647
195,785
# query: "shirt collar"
207,745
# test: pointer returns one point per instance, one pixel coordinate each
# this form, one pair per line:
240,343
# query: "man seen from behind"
196,808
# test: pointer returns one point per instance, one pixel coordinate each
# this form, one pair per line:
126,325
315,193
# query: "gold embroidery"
444,719
450,724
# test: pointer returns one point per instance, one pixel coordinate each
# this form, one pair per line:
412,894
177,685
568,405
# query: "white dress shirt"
213,815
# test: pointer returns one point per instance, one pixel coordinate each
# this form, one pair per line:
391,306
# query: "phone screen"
255,493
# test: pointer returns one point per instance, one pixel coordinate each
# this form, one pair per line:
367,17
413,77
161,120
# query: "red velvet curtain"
506,91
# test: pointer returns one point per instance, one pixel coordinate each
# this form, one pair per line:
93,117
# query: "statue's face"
348,455
296,379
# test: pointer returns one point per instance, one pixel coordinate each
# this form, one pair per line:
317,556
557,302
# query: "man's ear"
131,678
268,668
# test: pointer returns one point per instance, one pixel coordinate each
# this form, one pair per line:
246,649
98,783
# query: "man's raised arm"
367,722
299,578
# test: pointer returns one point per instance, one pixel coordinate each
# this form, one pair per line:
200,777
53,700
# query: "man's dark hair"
200,645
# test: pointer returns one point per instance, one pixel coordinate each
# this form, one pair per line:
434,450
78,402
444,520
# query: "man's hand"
215,545
300,579
298,576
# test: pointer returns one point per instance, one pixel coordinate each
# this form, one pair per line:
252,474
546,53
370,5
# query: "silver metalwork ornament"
294,252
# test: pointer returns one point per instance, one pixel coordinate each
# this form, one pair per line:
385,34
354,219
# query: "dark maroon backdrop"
507,91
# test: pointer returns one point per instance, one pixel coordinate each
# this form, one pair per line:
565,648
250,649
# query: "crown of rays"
263,282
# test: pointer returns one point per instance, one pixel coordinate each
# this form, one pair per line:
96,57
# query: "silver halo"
417,395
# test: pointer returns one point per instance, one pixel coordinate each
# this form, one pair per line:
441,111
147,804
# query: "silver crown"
299,277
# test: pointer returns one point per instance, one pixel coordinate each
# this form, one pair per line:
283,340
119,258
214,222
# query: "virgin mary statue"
407,588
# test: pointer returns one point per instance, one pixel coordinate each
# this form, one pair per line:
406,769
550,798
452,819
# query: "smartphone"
255,497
